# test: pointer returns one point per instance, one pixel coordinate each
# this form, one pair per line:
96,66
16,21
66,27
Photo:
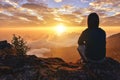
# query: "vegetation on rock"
20,45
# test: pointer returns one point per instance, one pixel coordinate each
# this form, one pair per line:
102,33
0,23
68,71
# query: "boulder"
6,48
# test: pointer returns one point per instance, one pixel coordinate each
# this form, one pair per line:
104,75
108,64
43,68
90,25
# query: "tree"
20,45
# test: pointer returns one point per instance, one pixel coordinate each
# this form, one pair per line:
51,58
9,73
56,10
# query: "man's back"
95,41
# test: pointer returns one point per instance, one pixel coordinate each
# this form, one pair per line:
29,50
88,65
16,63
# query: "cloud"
39,52
20,14
36,7
47,44
52,15
37,1
66,9
107,10
38,13
58,1
23,18
107,5
54,41
85,1
111,21
6,13
70,19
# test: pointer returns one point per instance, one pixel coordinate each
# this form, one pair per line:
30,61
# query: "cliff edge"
33,68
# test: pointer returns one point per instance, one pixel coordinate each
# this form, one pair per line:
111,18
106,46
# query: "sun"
60,29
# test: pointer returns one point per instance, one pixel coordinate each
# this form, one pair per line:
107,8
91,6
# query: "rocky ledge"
33,68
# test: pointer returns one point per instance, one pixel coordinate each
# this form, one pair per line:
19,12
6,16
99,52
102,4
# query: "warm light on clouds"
66,9
53,12
58,0
25,19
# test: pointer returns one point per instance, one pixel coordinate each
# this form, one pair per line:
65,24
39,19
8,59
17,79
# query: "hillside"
33,68
113,46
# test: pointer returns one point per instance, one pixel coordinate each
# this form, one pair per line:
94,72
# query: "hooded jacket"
94,39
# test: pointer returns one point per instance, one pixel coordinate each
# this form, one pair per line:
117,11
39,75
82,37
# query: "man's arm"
81,39
105,42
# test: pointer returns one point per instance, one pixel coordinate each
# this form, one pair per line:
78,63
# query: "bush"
20,45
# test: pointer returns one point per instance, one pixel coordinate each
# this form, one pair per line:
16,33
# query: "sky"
38,21
41,13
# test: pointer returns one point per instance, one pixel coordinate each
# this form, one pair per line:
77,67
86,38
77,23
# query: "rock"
104,71
34,68
6,48
4,44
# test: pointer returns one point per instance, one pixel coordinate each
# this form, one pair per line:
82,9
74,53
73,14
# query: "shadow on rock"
34,68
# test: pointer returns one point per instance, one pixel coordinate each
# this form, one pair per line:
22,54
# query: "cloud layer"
48,13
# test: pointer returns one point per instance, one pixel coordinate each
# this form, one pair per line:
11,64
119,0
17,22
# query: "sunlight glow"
60,29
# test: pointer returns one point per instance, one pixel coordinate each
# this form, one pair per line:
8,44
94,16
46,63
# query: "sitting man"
92,42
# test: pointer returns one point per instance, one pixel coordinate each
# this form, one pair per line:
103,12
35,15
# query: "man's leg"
81,50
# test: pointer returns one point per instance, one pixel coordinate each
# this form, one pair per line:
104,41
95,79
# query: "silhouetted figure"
93,40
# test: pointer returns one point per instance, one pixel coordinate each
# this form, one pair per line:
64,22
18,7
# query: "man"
92,42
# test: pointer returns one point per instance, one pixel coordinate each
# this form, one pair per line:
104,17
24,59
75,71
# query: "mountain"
113,46
34,68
